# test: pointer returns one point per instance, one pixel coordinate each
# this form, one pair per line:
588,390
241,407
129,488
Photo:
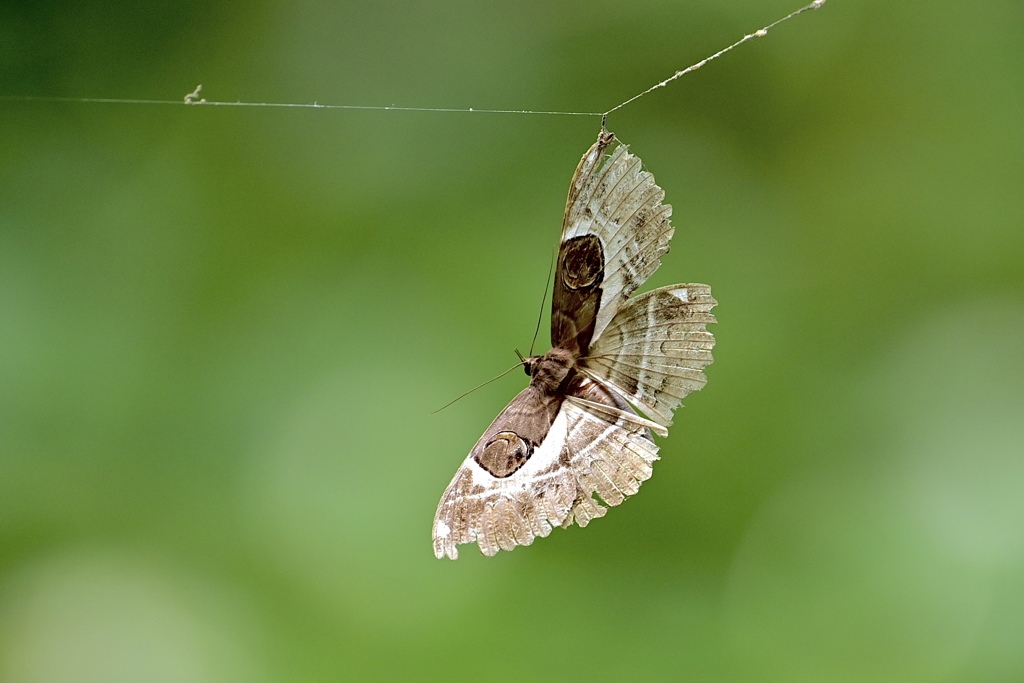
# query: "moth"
617,369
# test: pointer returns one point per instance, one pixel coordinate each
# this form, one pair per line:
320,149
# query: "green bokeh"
223,331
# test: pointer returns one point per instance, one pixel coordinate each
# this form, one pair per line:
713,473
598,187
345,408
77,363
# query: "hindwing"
656,348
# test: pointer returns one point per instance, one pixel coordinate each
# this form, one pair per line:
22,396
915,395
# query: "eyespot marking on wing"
504,454
582,262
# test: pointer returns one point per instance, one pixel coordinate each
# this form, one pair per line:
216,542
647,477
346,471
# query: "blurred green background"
223,331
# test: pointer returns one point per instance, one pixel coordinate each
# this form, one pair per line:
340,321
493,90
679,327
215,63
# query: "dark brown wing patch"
577,295
582,262
505,453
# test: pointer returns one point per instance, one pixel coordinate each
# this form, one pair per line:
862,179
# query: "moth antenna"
483,384
540,315
521,359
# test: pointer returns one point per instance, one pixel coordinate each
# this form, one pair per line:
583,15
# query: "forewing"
614,217
499,502
656,348
583,453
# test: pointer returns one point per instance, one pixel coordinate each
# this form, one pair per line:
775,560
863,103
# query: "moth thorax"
549,372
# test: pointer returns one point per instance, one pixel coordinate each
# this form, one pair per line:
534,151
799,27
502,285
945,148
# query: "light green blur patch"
94,616
890,561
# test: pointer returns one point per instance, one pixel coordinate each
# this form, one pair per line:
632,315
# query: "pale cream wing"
612,197
656,348
607,458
